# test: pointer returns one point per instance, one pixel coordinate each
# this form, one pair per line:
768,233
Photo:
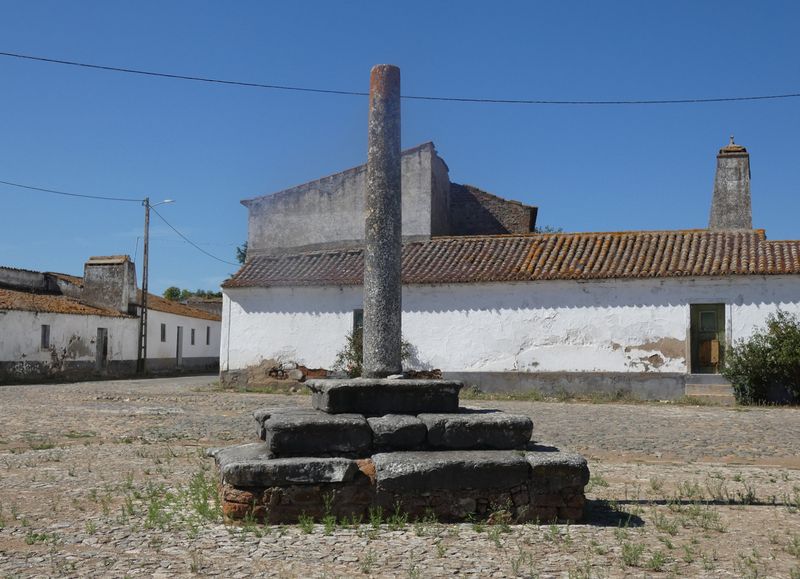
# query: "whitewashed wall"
156,349
550,326
72,337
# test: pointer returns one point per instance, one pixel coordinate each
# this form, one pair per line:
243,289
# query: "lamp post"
141,358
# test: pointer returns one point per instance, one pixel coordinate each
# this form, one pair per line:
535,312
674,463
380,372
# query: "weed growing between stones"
793,548
354,522
375,517
656,484
398,519
656,562
32,537
441,550
306,523
427,525
523,561
367,562
632,554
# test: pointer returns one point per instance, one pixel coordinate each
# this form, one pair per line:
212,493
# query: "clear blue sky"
209,146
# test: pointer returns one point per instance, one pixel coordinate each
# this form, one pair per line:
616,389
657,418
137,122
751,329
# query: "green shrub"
768,360
350,359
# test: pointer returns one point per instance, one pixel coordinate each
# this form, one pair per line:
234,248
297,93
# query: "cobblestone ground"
109,479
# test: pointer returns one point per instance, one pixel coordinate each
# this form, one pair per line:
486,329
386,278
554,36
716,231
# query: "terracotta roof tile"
32,302
160,304
530,257
56,303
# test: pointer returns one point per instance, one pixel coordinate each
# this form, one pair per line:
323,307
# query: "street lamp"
141,359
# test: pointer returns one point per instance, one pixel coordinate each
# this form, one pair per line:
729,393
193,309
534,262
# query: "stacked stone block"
397,444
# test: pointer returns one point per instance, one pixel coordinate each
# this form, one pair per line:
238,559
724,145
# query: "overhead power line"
43,190
99,197
407,97
189,241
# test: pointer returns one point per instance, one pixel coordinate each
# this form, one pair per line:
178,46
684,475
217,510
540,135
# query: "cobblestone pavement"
109,479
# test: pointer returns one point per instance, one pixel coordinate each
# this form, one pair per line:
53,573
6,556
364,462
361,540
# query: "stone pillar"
730,206
383,242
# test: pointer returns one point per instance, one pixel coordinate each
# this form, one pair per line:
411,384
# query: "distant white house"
57,326
645,312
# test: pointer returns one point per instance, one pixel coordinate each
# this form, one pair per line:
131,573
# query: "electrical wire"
42,189
407,97
186,239
189,241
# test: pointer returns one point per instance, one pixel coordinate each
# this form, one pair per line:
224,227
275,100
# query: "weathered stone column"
383,242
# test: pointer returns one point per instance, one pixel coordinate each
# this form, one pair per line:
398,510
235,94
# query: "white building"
56,326
644,312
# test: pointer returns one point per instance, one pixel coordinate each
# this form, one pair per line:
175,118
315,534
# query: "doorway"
707,338
101,350
179,348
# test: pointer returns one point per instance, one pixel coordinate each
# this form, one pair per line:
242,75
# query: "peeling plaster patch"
655,360
77,347
669,347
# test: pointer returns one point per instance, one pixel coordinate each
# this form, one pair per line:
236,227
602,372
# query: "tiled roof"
160,304
56,303
564,256
73,279
32,302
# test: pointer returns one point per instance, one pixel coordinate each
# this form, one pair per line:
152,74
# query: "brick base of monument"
550,496
434,459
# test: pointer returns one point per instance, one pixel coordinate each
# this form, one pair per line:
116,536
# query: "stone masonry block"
397,432
262,415
318,434
378,397
477,429
424,471
251,465
553,471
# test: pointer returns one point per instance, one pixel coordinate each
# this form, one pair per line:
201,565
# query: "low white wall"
168,349
72,337
550,326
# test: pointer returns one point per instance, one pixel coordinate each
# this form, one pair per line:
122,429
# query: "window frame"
44,337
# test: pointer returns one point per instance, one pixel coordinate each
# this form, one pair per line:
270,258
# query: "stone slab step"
378,397
318,434
476,469
477,430
252,465
709,390
454,485
397,432
307,432
717,394
706,379
426,471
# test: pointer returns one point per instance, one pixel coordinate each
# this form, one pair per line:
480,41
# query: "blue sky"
208,146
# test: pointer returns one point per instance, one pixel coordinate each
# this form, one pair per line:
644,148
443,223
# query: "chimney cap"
732,149
107,259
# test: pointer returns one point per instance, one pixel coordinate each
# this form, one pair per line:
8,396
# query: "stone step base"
307,432
721,394
378,397
452,485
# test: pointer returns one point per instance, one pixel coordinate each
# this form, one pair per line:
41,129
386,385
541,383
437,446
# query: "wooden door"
101,349
179,348
707,337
